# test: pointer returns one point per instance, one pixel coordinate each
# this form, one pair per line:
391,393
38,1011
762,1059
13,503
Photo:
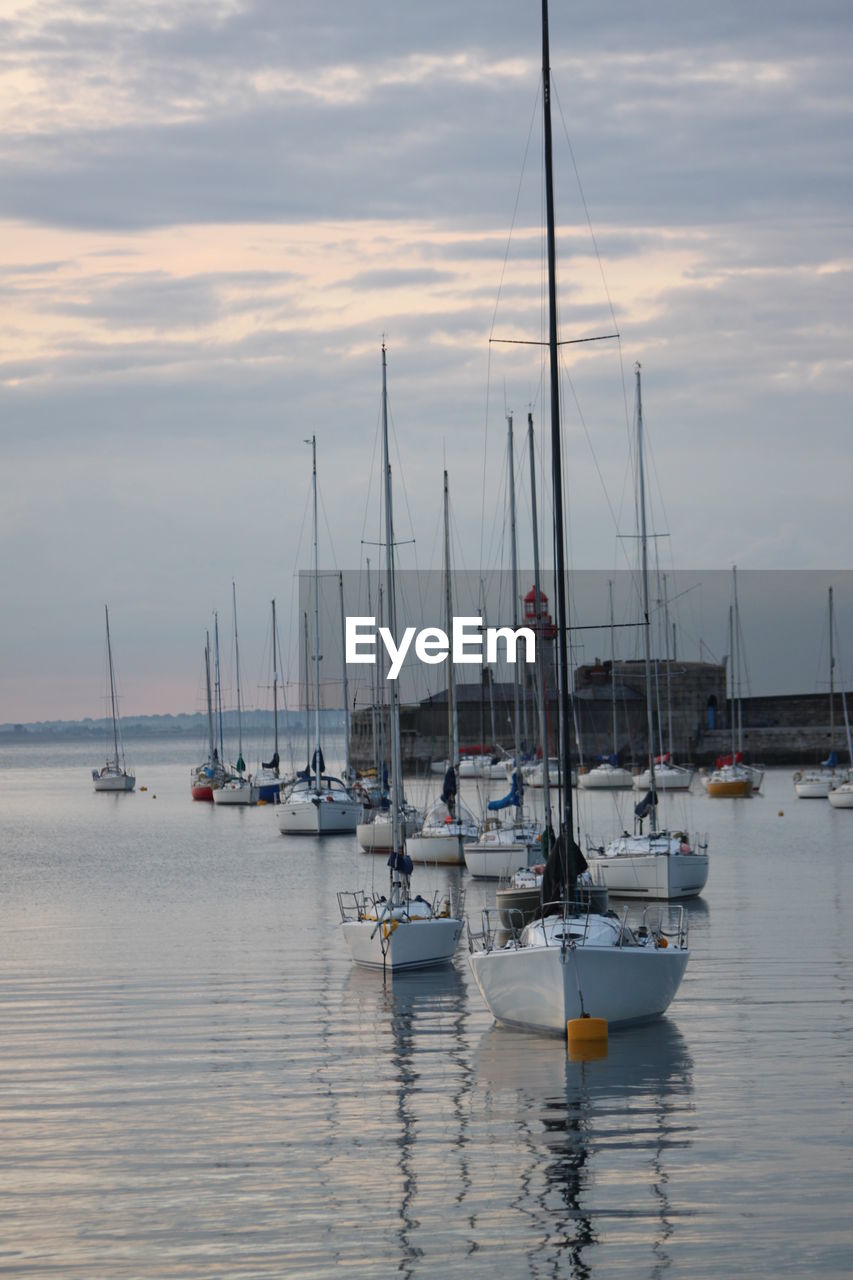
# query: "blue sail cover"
614,760
831,761
648,801
514,797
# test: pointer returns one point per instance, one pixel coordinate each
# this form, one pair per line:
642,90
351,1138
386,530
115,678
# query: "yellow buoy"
781,813
260,802
587,1038
143,788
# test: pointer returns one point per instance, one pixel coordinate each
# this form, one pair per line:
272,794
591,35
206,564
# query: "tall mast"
644,557
514,550
274,688
612,671
377,764
397,842
540,652
668,667
737,661
318,770
218,687
566,816
831,680
452,722
732,713
240,764
209,699
307,694
112,685
346,692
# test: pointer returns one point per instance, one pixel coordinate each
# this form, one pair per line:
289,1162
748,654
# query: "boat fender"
662,943
388,929
798,776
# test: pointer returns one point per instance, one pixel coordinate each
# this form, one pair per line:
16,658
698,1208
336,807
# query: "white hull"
605,778
232,793
842,797
662,877
813,789
409,944
323,818
536,988
666,779
446,850
495,861
114,782
375,837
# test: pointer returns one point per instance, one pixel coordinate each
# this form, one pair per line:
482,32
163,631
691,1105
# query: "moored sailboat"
400,931
114,775
569,963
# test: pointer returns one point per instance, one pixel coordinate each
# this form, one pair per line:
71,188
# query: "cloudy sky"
213,212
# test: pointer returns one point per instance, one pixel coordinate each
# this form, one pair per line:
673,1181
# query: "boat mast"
274,690
209,699
346,692
668,668
112,685
307,695
218,688
540,654
375,694
732,713
240,763
514,553
612,671
452,721
831,681
566,815
396,767
737,662
644,557
318,770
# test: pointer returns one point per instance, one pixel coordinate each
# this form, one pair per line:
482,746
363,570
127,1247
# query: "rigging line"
534,116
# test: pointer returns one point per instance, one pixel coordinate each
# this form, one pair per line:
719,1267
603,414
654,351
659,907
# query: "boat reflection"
593,1139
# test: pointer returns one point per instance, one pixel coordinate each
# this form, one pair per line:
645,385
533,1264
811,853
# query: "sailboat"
569,963
237,787
317,803
113,776
505,846
732,779
400,931
267,778
448,823
657,864
205,778
608,774
816,784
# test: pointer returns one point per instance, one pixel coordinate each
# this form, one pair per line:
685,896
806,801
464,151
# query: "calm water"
194,1082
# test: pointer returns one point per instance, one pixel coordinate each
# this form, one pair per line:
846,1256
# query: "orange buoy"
587,1038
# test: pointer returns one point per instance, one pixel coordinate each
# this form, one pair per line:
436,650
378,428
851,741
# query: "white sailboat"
608,775
569,963
505,846
401,931
448,823
317,804
205,778
656,864
113,775
816,784
237,788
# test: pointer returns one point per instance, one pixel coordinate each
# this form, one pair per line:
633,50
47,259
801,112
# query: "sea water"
195,1082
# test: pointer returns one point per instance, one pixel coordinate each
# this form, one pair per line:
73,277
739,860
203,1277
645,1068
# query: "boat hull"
441,849
841,797
605,780
235,795
412,944
732,788
661,877
496,861
202,792
115,782
536,988
325,817
375,837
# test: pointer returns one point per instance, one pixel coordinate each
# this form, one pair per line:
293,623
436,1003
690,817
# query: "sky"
213,213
